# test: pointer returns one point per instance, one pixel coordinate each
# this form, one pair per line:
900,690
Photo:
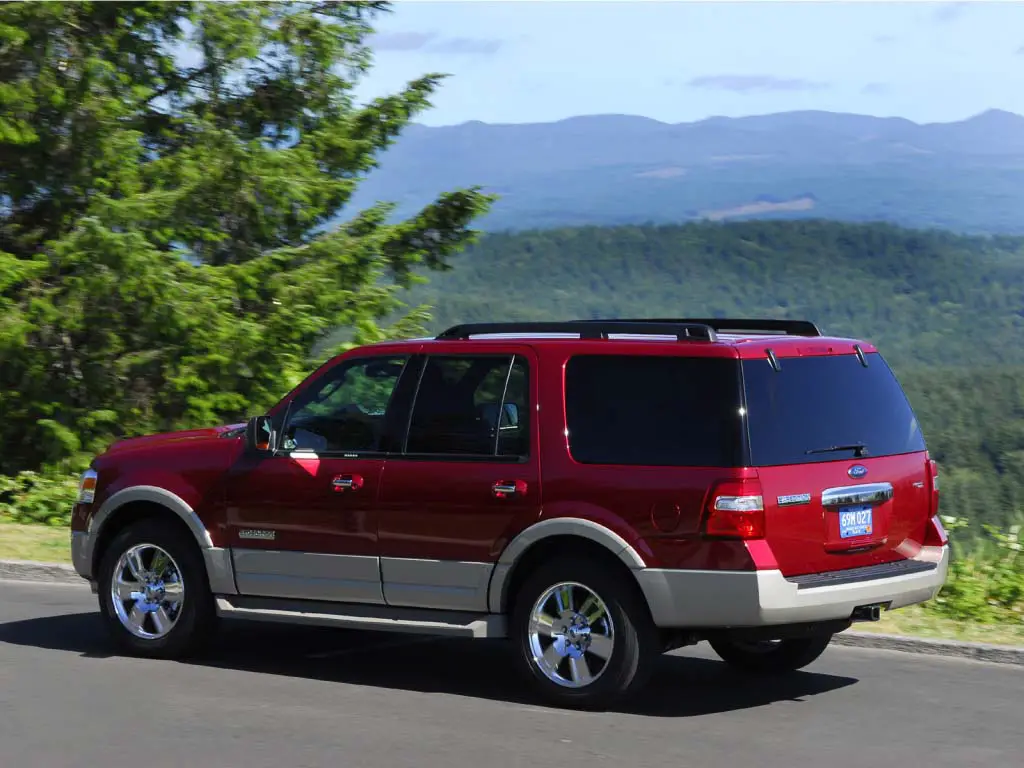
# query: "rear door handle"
342,483
505,488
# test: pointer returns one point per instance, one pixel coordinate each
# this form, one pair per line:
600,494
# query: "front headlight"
87,487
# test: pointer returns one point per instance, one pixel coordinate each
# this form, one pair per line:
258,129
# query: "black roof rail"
588,329
738,325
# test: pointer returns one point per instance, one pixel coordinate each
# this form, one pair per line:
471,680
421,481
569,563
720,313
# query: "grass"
916,621
51,545
34,542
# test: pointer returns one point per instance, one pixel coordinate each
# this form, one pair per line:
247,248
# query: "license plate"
855,521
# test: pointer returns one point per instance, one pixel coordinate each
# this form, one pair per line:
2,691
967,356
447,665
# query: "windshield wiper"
859,449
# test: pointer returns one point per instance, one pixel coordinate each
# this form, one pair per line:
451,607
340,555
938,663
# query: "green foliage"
973,420
986,579
44,497
164,260
925,297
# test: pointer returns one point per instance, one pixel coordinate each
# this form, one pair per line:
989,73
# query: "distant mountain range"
965,176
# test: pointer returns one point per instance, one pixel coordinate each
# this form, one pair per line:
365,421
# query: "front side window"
471,406
654,411
344,412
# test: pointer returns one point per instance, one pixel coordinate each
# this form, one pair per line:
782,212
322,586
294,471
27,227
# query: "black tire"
778,657
634,641
197,618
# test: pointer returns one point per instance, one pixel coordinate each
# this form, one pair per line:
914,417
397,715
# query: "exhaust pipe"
867,613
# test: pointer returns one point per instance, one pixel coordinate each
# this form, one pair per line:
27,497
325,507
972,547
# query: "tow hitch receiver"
871,612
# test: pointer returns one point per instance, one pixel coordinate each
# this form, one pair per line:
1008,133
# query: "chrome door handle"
342,483
505,488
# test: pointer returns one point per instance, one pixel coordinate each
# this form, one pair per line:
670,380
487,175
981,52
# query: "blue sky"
531,61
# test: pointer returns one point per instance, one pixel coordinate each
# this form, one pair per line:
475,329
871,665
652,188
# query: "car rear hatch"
841,461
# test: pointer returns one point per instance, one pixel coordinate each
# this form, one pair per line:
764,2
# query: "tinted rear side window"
815,403
471,406
654,411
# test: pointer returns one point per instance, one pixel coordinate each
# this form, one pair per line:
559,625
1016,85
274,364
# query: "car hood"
175,438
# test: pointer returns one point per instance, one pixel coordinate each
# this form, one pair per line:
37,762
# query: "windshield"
826,409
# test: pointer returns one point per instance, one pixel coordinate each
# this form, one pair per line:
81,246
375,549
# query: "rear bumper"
721,599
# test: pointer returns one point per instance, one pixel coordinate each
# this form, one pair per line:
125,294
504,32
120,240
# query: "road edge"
999,654
61,573
31,570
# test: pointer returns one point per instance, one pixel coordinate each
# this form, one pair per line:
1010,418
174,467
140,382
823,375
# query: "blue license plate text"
855,521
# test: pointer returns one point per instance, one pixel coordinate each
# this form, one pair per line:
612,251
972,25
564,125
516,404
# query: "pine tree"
169,176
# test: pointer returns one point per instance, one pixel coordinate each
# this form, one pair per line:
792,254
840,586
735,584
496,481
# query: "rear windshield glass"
654,411
818,403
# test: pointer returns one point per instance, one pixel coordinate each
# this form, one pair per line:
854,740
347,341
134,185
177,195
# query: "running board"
357,616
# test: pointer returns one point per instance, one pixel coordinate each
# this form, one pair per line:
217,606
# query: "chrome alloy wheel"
147,592
571,635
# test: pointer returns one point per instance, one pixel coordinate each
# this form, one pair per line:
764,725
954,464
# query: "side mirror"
259,434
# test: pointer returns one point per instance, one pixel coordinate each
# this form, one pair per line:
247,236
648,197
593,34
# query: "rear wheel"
153,591
771,656
583,637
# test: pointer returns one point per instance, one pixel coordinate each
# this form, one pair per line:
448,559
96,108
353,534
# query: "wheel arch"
127,501
533,545
130,505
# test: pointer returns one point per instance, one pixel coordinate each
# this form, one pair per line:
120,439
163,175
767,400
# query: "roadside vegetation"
43,544
165,262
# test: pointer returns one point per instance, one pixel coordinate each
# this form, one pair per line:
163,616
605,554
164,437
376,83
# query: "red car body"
389,530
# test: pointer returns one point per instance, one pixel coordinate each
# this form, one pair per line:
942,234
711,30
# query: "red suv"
598,492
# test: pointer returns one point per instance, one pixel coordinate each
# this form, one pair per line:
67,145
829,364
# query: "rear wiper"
859,449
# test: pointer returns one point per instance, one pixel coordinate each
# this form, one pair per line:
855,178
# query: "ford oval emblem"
857,470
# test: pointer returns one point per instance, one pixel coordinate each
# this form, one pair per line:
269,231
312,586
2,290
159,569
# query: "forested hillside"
947,311
973,420
924,297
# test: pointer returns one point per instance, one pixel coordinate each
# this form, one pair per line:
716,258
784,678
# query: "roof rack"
588,329
736,325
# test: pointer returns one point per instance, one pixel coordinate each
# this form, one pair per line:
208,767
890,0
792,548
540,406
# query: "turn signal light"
87,487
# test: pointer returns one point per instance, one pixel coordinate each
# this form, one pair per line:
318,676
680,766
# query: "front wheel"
153,591
583,637
771,656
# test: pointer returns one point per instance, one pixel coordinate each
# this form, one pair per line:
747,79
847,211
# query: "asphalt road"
285,697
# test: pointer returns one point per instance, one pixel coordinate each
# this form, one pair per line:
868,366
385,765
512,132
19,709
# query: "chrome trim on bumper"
721,599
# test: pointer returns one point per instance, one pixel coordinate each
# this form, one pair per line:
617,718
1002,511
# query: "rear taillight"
933,487
934,533
735,510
